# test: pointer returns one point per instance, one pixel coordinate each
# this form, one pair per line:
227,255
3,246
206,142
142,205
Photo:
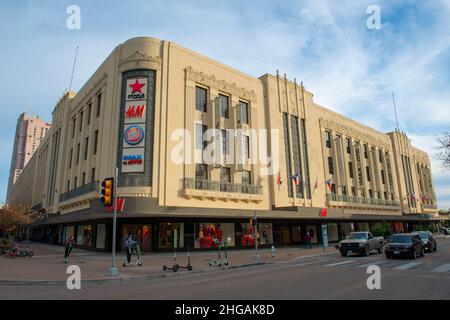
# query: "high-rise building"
29,133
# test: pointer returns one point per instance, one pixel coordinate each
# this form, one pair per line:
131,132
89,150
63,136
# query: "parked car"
428,241
407,245
362,242
445,231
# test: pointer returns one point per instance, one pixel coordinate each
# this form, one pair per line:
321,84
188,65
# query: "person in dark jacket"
68,248
308,241
129,244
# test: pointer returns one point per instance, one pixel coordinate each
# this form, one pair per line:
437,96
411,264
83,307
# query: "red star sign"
137,86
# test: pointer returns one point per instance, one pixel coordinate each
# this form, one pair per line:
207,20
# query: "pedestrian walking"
308,241
68,248
129,245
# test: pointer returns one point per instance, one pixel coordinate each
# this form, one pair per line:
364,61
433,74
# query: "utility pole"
113,271
255,230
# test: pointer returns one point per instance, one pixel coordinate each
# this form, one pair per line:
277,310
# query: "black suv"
407,245
428,241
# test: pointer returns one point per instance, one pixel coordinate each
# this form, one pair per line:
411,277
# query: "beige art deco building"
149,110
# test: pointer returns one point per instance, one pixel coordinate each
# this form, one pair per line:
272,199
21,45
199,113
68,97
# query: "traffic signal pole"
113,271
255,230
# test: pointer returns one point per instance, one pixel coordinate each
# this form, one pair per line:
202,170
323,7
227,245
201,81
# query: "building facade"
201,148
29,133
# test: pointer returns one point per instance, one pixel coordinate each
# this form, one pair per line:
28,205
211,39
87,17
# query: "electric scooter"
137,249
175,266
218,262
188,267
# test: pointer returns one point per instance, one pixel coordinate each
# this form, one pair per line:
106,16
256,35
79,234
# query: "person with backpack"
68,248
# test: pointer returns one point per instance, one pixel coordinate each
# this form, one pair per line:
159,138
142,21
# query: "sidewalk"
46,266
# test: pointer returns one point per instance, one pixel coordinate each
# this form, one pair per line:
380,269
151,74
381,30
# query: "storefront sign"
136,89
358,164
133,136
135,112
133,160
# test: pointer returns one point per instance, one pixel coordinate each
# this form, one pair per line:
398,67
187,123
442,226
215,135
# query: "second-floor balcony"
92,186
335,200
200,188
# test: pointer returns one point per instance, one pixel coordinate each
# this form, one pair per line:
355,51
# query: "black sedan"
404,245
428,241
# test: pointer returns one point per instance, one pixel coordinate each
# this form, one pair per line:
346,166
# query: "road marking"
443,268
377,263
340,263
307,263
408,266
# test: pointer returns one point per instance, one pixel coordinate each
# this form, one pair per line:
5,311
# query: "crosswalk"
393,264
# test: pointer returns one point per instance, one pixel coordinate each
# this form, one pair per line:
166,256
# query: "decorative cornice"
141,60
354,133
212,82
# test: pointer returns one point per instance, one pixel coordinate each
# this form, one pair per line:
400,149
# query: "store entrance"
285,235
140,232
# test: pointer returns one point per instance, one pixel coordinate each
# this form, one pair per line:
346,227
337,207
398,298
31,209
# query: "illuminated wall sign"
135,112
133,135
133,160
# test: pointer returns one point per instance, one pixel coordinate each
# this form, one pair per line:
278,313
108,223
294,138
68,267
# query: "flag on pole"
328,182
296,179
279,182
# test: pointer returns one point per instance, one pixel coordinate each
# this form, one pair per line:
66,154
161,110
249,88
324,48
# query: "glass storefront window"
363,226
84,235
297,233
312,229
346,229
171,234
140,233
69,231
248,236
209,235
265,231
333,235
101,236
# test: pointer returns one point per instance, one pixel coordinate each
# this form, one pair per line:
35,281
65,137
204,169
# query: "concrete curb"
54,283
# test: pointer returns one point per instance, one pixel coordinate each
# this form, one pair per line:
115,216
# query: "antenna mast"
395,110
73,69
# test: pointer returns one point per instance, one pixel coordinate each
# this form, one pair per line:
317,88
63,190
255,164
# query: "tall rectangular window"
330,165
243,109
370,193
328,139
75,182
200,99
366,151
247,147
86,147
81,120
368,173
201,172
225,175
350,170
380,155
225,143
89,113
68,185
383,179
95,142
92,174
224,106
349,145
70,159
287,150
74,124
99,104
246,177
200,130
83,179
78,154
353,191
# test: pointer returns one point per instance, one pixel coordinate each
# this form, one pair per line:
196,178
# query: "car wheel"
414,254
435,248
344,254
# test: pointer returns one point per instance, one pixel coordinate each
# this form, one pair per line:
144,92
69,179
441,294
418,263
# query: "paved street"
330,277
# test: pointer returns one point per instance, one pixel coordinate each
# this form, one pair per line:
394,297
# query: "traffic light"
108,192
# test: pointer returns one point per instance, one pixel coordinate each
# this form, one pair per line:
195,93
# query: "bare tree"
444,149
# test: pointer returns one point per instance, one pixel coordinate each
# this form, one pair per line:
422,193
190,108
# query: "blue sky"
325,44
